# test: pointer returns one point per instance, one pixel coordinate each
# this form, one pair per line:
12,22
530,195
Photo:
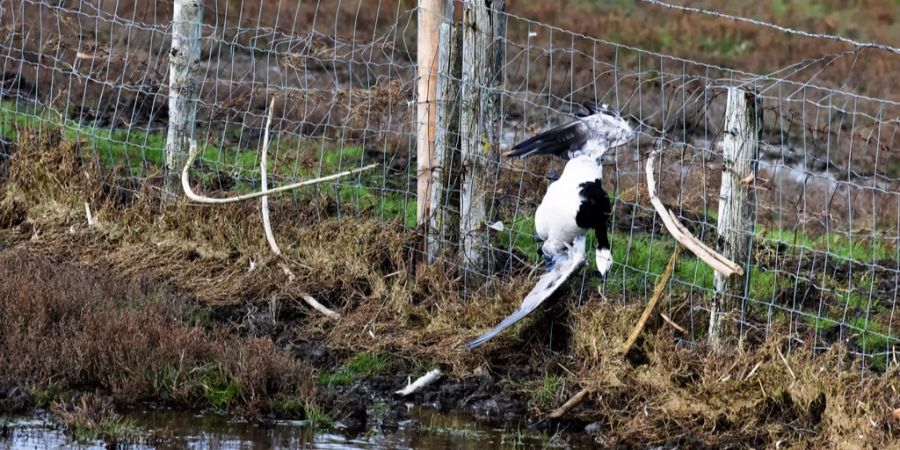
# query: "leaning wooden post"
479,123
184,87
444,198
737,201
429,19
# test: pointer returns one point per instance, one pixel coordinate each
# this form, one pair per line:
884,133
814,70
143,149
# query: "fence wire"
825,260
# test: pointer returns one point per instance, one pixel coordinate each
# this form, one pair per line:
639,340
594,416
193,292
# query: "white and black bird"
573,204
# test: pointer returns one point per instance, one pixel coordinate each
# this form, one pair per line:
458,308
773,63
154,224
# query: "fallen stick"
672,323
319,307
87,212
657,293
569,404
421,382
309,299
785,361
186,185
681,234
264,200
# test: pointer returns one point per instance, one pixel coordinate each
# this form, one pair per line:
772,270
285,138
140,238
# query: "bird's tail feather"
545,287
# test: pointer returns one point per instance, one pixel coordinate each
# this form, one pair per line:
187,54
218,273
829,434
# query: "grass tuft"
361,366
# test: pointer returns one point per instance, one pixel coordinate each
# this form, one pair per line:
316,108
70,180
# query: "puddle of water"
178,430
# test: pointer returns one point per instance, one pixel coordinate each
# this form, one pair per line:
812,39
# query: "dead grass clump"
747,395
93,416
69,327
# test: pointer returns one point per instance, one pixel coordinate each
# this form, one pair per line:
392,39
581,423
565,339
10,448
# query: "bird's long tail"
545,287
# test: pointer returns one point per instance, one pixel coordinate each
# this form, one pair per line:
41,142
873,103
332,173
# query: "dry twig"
319,307
672,323
421,382
657,293
569,404
785,361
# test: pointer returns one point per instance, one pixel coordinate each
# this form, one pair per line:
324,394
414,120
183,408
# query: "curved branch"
186,185
681,234
264,200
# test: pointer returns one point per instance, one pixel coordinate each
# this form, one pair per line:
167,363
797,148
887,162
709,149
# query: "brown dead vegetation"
114,308
67,327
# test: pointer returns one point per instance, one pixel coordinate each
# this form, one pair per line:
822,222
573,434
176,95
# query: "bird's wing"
591,107
557,141
545,287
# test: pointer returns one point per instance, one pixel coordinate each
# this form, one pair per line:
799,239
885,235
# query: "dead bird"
573,204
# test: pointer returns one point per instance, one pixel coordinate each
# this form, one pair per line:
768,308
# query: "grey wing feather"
545,287
557,141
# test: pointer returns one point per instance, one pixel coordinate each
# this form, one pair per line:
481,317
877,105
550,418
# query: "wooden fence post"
429,20
737,201
483,21
184,87
445,174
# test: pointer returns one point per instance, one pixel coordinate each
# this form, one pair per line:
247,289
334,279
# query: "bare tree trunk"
184,87
479,124
737,202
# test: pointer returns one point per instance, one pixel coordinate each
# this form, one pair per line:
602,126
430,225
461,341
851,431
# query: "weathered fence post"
429,20
737,201
483,23
442,226
184,87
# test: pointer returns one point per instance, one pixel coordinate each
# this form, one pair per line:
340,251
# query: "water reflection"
178,430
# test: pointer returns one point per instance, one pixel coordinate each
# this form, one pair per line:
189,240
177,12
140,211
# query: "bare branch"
672,323
186,185
264,200
421,382
657,293
681,234
569,404
319,307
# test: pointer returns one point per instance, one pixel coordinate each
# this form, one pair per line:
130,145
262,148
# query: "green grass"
143,152
361,366
549,393
821,324
44,395
837,245
317,417
221,390
871,335
520,233
165,380
286,406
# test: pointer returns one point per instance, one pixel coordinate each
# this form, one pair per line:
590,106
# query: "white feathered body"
554,219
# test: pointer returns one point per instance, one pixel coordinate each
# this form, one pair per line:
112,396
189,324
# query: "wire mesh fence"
824,265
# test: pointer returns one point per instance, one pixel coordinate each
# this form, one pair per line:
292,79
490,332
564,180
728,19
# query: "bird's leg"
553,254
